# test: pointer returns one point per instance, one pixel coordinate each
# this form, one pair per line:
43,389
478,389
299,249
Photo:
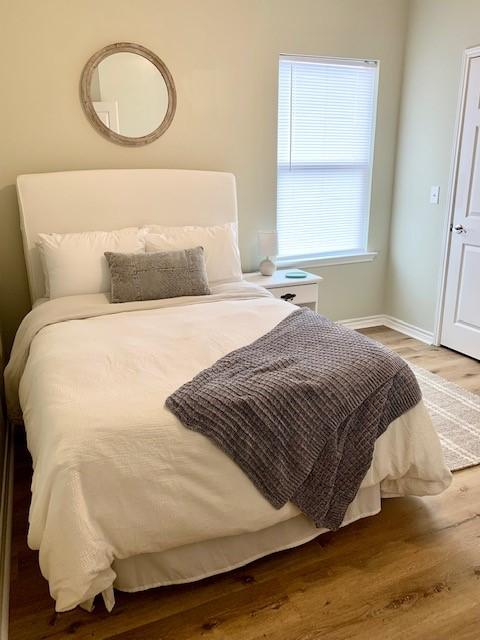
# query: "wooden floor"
412,572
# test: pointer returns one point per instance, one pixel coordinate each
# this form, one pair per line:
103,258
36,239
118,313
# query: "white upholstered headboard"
102,200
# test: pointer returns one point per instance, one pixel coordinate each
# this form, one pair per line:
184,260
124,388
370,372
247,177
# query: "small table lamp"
268,246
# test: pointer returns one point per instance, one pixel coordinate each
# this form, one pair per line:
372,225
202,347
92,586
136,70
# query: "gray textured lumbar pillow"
152,276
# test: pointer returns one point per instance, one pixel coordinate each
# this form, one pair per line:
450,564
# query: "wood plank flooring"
410,573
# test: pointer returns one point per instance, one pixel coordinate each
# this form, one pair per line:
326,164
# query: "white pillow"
222,257
74,264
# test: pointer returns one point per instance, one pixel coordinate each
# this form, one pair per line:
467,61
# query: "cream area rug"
455,414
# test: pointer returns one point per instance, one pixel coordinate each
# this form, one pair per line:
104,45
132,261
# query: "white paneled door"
108,114
461,321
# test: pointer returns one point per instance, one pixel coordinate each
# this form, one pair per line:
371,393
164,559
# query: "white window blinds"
326,114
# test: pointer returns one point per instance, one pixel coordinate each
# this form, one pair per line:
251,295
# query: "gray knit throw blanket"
299,411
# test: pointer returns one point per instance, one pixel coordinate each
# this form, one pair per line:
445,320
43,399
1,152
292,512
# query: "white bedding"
115,474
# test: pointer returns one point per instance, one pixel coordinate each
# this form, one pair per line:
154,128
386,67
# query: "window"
326,118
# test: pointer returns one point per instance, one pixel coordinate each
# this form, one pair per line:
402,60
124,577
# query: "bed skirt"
193,562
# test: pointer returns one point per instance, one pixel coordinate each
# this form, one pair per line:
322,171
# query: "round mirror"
128,94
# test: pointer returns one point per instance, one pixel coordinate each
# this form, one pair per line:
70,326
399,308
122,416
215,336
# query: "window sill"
366,256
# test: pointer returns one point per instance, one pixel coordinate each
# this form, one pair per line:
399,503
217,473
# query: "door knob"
459,228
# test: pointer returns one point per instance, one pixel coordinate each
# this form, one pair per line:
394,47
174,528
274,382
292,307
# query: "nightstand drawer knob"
288,297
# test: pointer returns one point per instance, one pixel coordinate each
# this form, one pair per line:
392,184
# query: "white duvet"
115,473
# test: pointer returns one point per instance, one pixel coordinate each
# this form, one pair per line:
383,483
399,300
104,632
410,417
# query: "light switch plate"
434,194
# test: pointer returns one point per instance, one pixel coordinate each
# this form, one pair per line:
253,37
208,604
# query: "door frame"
468,54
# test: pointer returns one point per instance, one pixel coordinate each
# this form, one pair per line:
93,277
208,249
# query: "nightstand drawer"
304,294
300,291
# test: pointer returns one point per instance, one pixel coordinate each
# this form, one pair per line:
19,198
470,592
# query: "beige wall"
439,31
223,56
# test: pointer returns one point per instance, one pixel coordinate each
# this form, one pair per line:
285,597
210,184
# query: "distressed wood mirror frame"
86,99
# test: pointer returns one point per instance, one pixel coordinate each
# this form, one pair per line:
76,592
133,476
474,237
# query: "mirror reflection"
129,94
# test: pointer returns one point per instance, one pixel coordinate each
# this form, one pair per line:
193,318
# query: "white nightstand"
303,290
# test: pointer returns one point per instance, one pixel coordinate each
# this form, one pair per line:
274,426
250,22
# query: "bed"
123,496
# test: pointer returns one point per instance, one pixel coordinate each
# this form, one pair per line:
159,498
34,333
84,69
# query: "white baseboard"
410,330
392,323
6,476
364,322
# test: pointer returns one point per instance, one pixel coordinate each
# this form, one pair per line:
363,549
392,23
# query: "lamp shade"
268,243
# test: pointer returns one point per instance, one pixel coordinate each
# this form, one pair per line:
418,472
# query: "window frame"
335,257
